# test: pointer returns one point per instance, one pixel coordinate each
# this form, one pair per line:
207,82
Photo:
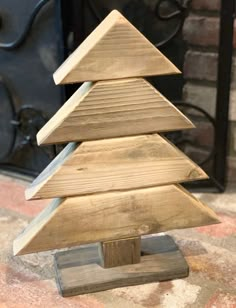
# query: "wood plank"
114,165
117,215
115,49
78,271
108,109
121,252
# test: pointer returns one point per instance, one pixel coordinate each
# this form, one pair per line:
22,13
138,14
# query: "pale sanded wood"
120,252
108,109
78,271
110,216
113,165
115,49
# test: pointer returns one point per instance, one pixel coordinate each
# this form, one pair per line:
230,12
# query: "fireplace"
36,39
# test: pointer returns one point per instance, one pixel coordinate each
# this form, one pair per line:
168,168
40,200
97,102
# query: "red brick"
226,228
203,31
20,290
200,65
231,172
209,5
204,96
220,300
13,198
212,262
200,95
232,139
232,106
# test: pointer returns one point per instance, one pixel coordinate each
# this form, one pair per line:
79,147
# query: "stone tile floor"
28,281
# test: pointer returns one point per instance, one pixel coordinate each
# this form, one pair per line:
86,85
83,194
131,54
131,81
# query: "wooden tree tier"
114,165
114,50
110,109
102,217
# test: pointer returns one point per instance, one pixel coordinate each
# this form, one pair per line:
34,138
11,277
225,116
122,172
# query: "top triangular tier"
115,49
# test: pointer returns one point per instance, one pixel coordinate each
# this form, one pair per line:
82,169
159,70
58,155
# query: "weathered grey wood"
79,271
109,109
121,252
114,165
114,50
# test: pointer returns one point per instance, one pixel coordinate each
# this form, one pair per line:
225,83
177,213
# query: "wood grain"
111,216
78,271
114,165
115,49
108,109
121,252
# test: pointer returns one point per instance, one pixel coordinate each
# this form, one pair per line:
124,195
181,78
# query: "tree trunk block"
121,252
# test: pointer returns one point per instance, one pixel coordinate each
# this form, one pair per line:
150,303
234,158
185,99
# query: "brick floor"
28,281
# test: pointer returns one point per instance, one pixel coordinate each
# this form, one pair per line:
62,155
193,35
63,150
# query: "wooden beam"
121,252
114,165
115,49
108,109
111,216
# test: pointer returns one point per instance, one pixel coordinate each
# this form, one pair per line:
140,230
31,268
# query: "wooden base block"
79,271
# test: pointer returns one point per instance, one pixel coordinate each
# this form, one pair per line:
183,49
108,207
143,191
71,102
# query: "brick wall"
201,31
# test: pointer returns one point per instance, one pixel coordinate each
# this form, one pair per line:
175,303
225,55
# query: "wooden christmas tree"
122,181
